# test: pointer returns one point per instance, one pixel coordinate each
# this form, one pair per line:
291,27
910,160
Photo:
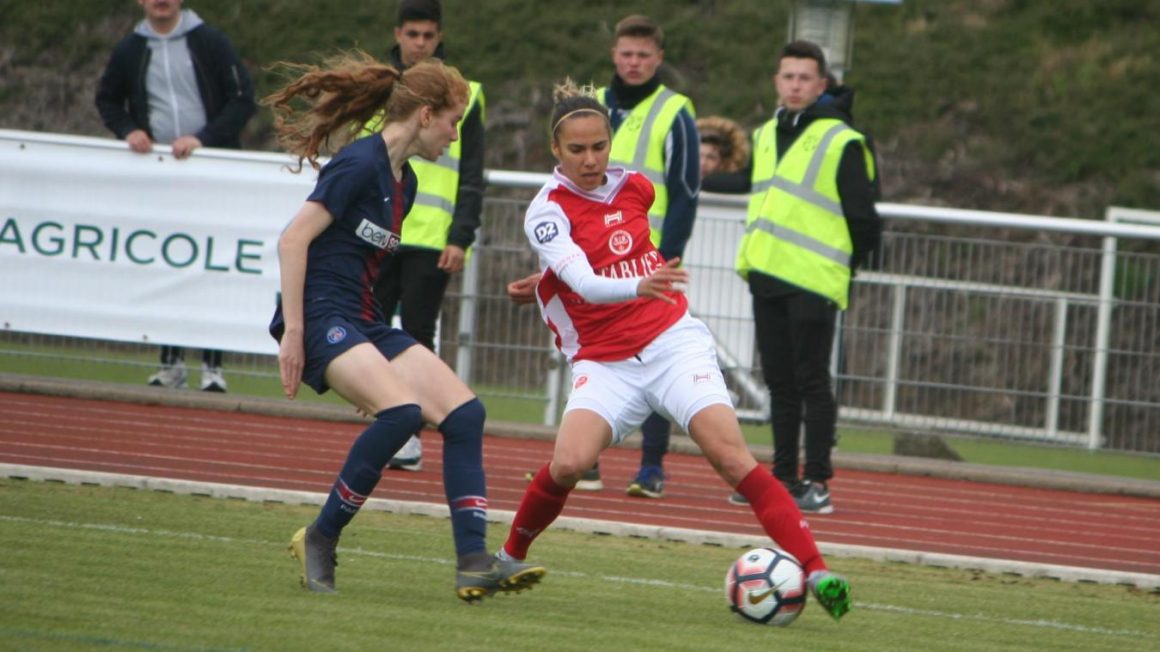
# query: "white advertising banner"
97,241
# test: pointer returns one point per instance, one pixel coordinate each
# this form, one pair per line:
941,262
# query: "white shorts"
676,375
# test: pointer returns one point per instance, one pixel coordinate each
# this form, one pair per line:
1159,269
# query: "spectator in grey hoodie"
176,80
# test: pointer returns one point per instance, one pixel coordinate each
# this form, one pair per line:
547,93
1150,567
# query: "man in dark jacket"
811,222
654,132
443,222
176,80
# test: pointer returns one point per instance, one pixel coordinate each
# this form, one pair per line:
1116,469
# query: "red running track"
871,509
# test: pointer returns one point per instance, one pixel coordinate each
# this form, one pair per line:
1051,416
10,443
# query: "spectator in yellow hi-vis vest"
654,133
442,224
811,222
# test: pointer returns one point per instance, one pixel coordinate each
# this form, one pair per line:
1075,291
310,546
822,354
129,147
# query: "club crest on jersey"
546,232
336,334
377,235
580,382
613,219
620,242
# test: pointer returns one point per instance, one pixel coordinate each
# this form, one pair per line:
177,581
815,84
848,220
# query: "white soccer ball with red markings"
766,586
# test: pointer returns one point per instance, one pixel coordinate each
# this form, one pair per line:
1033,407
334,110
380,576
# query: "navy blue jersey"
368,205
359,190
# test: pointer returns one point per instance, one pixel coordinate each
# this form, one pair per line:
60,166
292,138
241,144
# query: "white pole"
1103,336
1055,375
555,386
468,307
894,354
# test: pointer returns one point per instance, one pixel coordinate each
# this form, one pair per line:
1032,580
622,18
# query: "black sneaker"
793,487
319,557
814,498
591,481
649,483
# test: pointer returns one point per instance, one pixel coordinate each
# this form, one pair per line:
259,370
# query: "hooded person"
178,81
724,145
174,79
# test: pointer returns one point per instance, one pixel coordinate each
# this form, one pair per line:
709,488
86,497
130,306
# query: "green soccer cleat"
832,591
508,576
318,556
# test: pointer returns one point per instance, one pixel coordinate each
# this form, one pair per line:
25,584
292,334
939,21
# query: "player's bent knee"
465,421
566,472
407,417
732,463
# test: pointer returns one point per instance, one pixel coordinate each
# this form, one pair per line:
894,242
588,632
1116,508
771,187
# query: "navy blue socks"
464,483
364,465
463,477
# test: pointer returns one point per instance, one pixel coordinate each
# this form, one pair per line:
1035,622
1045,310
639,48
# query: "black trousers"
171,354
795,333
655,440
412,283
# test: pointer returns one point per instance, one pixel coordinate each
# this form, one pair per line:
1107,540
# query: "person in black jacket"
795,313
176,80
443,223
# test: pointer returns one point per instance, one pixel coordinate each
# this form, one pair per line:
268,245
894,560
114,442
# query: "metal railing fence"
966,322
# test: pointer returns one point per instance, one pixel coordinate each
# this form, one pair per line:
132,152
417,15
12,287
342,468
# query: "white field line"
705,537
618,579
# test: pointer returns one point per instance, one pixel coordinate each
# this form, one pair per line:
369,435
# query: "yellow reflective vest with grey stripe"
639,145
429,220
794,228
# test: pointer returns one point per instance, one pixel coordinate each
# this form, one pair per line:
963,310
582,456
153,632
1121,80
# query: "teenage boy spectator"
811,175
654,133
176,80
442,224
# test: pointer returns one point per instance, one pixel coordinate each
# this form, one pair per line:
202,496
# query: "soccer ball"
766,586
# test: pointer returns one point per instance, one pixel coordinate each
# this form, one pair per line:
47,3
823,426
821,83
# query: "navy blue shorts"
329,335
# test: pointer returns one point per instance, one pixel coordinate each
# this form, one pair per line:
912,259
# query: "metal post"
1103,336
1055,375
468,307
743,376
829,25
555,387
894,350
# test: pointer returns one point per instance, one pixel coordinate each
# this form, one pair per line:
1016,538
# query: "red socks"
780,517
542,503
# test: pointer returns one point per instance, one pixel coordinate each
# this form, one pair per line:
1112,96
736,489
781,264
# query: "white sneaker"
590,480
170,375
409,457
212,379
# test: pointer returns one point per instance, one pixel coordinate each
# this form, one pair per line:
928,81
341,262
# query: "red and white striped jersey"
593,248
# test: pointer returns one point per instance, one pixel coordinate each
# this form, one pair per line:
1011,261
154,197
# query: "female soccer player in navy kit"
620,317
331,331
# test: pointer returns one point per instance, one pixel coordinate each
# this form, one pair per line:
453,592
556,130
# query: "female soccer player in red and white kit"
621,318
